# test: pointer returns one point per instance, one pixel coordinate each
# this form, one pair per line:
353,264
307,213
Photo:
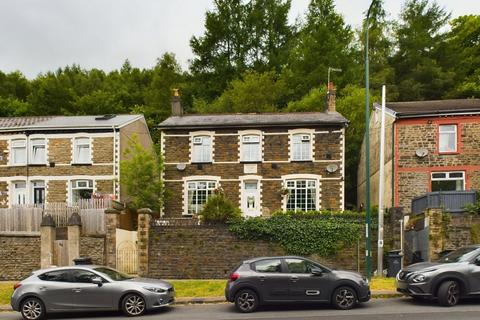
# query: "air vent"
106,117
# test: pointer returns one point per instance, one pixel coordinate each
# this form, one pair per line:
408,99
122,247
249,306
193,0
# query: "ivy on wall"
304,233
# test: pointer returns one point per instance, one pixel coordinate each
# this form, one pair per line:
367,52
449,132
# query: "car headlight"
419,278
154,289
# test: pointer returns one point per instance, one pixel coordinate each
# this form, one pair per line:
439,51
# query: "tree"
256,92
419,75
324,40
142,176
462,56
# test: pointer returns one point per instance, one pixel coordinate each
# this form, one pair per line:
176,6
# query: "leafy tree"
315,100
256,92
419,75
142,176
324,40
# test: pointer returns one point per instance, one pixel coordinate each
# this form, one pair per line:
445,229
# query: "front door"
305,286
251,198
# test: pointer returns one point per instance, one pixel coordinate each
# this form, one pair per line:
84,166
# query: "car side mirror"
316,272
477,262
98,281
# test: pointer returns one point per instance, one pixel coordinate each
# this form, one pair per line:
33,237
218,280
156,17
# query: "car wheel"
246,301
449,293
133,305
344,298
32,309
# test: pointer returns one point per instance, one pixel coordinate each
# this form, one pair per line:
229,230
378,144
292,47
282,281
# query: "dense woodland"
251,59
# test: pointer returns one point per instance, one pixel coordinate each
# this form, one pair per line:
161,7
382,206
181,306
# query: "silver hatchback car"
88,288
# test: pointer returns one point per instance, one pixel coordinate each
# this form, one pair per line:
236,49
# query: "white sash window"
37,154
19,151
81,152
201,149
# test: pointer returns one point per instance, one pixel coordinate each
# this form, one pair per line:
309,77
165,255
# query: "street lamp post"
368,244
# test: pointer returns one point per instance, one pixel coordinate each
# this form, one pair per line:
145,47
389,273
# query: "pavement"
183,301
376,309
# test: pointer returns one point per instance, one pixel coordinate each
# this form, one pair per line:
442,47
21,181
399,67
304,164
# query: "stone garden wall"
19,256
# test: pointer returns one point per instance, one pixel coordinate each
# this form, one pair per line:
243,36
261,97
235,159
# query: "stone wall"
93,247
205,252
19,256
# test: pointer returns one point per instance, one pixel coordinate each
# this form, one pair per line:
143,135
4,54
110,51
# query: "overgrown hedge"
304,233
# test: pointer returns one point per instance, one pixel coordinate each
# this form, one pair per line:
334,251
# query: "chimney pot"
177,109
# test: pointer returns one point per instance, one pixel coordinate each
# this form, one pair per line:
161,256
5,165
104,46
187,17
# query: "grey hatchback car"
454,276
88,288
293,279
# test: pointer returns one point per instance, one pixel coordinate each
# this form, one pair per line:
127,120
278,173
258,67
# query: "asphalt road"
384,309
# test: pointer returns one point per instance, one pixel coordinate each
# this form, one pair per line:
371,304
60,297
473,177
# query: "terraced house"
263,162
64,159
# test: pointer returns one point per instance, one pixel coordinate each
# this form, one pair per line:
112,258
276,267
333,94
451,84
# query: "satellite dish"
181,166
422,152
331,168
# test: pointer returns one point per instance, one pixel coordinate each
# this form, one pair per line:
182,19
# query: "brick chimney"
331,97
177,109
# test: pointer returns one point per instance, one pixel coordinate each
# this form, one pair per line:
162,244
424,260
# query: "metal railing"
450,201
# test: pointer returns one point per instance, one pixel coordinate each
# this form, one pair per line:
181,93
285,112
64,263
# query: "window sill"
81,164
210,162
448,153
37,164
309,160
251,162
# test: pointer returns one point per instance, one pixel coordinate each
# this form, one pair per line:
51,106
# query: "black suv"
293,279
454,276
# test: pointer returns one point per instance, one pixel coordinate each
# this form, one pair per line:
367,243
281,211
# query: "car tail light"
17,285
234,276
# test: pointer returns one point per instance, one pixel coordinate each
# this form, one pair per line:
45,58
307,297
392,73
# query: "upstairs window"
302,195
37,151
202,149
198,193
447,138
301,147
19,151
250,148
81,190
81,152
448,181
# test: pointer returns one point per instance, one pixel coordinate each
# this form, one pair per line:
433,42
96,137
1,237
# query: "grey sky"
41,35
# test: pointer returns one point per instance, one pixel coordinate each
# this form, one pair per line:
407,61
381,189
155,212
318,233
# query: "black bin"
394,263
82,260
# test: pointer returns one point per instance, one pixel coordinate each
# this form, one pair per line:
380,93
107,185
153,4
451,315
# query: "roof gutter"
435,114
160,127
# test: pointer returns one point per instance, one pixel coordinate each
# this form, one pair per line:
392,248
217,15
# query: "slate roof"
433,107
252,120
64,122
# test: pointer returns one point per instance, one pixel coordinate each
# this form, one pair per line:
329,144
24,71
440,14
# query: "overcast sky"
41,35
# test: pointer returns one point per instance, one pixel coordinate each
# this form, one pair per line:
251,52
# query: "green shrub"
303,233
218,209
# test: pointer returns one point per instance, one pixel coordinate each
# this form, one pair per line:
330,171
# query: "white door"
19,193
251,199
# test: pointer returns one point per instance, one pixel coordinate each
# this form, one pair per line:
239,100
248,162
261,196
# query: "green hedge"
304,233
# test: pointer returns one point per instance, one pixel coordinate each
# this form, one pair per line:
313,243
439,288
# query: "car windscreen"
460,255
113,274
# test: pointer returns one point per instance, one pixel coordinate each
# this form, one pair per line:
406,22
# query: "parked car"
88,288
293,279
454,276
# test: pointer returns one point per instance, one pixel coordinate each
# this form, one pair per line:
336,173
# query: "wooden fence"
28,218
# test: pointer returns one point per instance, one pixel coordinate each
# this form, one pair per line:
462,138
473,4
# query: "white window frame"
297,177
447,177
197,139
75,151
37,142
196,179
14,193
446,135
13,153
304,135
246,140
73,185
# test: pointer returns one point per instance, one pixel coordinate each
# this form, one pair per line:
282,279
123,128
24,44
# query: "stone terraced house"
429,146
64,158
263,162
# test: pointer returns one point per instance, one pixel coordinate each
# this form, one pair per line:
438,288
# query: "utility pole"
380,188
368,244
332,69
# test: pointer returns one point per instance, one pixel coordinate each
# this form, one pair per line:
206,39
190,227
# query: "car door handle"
294,279
77,290
261,278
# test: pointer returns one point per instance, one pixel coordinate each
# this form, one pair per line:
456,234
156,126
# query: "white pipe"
381,187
